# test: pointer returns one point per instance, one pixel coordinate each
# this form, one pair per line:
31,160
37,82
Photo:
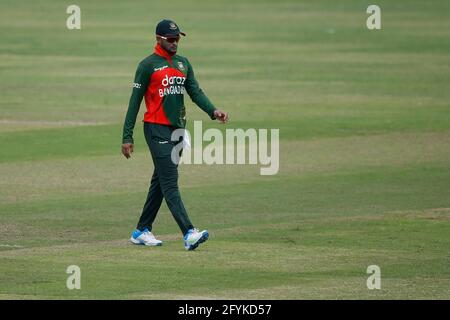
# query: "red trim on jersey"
163,53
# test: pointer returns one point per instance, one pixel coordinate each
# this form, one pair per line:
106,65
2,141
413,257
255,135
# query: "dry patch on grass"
7,125
109,174
57,250
12,296
11,236
170,296
396,149
11,233
438,214
325,287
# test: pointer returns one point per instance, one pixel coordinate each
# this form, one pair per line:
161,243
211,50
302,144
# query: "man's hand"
221,116
127,149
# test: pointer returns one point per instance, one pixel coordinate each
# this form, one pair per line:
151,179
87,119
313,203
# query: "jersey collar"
163,53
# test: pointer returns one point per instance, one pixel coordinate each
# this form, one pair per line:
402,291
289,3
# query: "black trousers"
164,182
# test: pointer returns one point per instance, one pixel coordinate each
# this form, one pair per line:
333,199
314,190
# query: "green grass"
364,119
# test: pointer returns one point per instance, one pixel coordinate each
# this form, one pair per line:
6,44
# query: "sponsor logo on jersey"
172,85
136,85
160,68
172,80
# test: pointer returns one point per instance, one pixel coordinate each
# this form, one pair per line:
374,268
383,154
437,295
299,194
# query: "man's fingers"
127,149
221,116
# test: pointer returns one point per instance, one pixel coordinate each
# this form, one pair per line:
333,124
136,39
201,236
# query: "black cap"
168,28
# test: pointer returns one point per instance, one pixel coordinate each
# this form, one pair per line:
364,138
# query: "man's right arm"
141,81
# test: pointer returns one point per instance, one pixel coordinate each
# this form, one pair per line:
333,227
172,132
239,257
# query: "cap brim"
175,34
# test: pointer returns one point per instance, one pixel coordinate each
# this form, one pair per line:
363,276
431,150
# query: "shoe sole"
194,246
137,242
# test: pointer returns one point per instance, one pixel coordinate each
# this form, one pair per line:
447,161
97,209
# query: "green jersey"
162,80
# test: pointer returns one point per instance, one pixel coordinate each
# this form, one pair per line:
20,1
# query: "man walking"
162,79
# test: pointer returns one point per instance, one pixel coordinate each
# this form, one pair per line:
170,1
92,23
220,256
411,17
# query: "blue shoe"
193,238
144,237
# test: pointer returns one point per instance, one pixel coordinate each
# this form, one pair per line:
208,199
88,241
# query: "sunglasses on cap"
170,39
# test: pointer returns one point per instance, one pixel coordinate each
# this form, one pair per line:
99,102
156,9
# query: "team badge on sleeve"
180,66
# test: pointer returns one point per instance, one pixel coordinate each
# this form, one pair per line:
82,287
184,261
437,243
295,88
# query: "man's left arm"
200,99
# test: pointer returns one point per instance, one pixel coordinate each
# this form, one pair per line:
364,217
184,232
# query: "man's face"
170,44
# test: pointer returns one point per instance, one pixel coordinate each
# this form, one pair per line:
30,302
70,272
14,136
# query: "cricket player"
162,79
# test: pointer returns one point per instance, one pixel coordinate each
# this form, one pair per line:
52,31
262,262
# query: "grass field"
364,119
